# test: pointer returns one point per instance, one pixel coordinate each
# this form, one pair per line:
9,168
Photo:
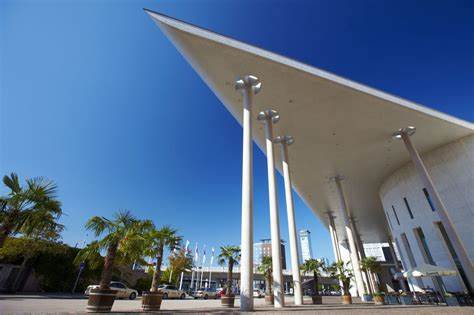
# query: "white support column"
285,141
248,85
425,177
334,239
269,117
350,237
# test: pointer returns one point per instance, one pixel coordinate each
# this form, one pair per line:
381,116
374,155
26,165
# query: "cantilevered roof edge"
224,40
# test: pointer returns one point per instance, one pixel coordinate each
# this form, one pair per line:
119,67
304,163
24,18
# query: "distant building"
264,248
305,246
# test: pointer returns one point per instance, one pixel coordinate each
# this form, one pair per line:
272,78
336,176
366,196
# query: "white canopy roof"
340,127
427,270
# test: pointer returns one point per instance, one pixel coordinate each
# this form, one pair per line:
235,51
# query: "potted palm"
314,266
379,298
266,268
117,234
371,266
155,243
341,271
231,256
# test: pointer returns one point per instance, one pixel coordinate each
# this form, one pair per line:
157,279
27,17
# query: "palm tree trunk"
106,276
157,272
5,231
374,281
315,278
229,278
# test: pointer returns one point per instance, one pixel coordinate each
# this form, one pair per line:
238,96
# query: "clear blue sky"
94,96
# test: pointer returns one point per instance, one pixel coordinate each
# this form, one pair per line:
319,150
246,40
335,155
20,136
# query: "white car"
258,293
122,290
170,292
205,294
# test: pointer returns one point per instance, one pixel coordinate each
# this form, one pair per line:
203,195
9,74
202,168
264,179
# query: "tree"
32,210
341,271
266,268
117,236
231,256
155,243
316,266
371,266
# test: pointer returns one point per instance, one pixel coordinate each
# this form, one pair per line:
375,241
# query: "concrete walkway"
56,304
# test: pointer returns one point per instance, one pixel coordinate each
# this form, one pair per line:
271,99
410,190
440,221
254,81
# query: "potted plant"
371,266
155,243
451,299
391,299
341,271
117,235
315,266
266,269
231,256
366,297
406,299
379,298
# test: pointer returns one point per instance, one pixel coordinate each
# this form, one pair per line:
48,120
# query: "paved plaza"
25,304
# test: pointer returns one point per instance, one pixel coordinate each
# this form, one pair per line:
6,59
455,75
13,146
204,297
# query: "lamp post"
286,141
404,134
248,85
270,117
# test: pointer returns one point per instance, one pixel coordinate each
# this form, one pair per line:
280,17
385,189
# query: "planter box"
100,300
406,299
346,299
390,299
151,301
451,301
367,298
317,299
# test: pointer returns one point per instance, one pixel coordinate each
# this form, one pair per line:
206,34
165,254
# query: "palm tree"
155,243
315,266
266,268
32,210
371,266
231,256
118,235
341,271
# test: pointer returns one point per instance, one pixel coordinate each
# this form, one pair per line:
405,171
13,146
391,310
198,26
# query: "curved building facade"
413,218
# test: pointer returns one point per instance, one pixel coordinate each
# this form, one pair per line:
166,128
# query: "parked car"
258,293
122,290
170,292
205,294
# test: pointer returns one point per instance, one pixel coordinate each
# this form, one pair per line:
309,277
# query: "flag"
204,255
186,247
196,253
212,256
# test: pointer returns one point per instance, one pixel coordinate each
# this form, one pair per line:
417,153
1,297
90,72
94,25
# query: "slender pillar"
334,239
248,86
350,237
285,141
360,250
425,177
269,117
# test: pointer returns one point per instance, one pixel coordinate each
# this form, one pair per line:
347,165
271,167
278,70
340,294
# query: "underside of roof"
340,127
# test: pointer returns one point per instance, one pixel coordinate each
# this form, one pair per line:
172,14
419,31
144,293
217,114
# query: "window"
425,251
407,246
428,198
395,214
424,246
408,207
454,255
389,221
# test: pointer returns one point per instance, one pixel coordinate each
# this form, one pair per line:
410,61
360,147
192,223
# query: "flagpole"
202,266
182,272
210,265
